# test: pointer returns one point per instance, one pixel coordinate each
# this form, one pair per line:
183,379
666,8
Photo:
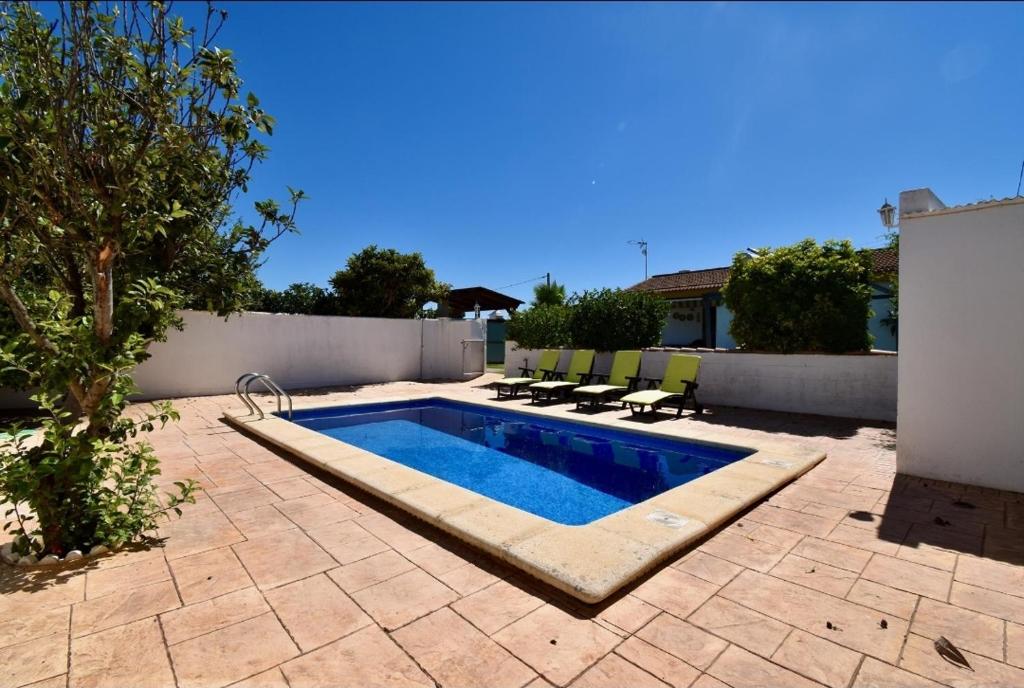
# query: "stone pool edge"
589,562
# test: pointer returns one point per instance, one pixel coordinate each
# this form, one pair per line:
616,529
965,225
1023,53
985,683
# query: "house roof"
465,299
886,260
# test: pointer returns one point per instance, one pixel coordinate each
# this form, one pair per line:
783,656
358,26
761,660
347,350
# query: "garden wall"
847,386
300,351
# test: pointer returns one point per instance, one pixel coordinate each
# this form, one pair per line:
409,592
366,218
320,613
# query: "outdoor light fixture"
888,214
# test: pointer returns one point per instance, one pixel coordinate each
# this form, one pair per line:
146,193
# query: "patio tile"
807,524
774,535
134,575
741,669
261,520
868,539
272,678
883,598
130,655
875,674
496,606
628,613
818,659
273,471
315,611
708,681
993,575
745,627
687,642
397,536
457,654
708,567
315,511
243,500
370,571
290,488
920,657
220,612
989,602
281,558
468,578
389,668
347,541
614,672
815,575
1015,644
661,664
27,623
905,575
742,550
811,611
833,553
121,608
54,682
674,591
556,644
435,559
398,601
39,589
966,629
199,534
232,653
209,574
34,660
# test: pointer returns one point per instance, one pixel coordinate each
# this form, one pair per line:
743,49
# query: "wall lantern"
888,214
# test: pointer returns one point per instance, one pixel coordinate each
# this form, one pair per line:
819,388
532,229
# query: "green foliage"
383,283
615,319
548,295
605,320
803,297
893,319
123,136
302,297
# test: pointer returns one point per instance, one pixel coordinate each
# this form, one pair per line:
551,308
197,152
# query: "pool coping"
589,562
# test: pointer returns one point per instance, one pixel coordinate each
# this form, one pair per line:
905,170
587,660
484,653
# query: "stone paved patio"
278,576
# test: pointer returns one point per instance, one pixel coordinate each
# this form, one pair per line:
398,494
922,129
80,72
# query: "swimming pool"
566,472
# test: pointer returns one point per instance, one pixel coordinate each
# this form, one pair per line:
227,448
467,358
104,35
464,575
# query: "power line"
527,281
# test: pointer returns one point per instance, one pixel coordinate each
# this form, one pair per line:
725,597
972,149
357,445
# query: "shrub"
615,319
540,327
803,297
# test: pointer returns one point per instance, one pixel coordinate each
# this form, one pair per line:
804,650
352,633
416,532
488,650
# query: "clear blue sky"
505,141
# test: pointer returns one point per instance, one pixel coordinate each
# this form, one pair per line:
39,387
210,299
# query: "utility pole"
642,243
549,279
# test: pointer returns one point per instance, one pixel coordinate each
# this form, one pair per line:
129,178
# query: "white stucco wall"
851,386
961,378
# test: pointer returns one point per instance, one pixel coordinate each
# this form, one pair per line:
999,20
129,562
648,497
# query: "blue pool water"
566,472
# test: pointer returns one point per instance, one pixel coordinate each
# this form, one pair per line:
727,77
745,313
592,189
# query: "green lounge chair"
678,386
560,384
546,364
623,378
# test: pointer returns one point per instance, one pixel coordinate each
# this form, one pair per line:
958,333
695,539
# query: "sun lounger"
677,387
560,384
622,379
511,386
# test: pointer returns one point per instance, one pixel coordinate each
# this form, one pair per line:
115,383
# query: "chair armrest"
548,374
526,372
653,382
634,382
556,375
585,378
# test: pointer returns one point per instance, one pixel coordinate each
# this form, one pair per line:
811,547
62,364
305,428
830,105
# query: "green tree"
614,319
804,297
383,283
548,294
540,327
892,321
124,135
301,297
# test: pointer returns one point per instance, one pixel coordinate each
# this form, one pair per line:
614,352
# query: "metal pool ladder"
242,390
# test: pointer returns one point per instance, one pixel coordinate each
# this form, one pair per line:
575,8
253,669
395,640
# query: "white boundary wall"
848,386
961,409
300,351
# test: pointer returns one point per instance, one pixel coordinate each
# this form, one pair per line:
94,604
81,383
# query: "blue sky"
505,141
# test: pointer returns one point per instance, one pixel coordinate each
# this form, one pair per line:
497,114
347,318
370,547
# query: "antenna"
642,243
1021,177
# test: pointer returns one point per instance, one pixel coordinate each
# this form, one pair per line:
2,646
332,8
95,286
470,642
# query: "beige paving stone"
708,681
674,591
315,511
209,574
817,659
281,558
290,488
347,541
134,575
883,598
556,644
27,623
492,525
832,553
261,521
708,567
614,672
771,534
745,551
1015,644
865,538
397,536
468,578
834,513
33,660
272,678
432,500
274,471
628,613
435,559
694,646
406,597
986,601
39,589
807,524
243,500
875,674
741,669
811,611
124,607
815,575
455,653
200,534
390,667
54,682
965,629
232,653
129,655
370,571
672,670
497,605
315,611
213,614
920,657
993,575
745,627
905,575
